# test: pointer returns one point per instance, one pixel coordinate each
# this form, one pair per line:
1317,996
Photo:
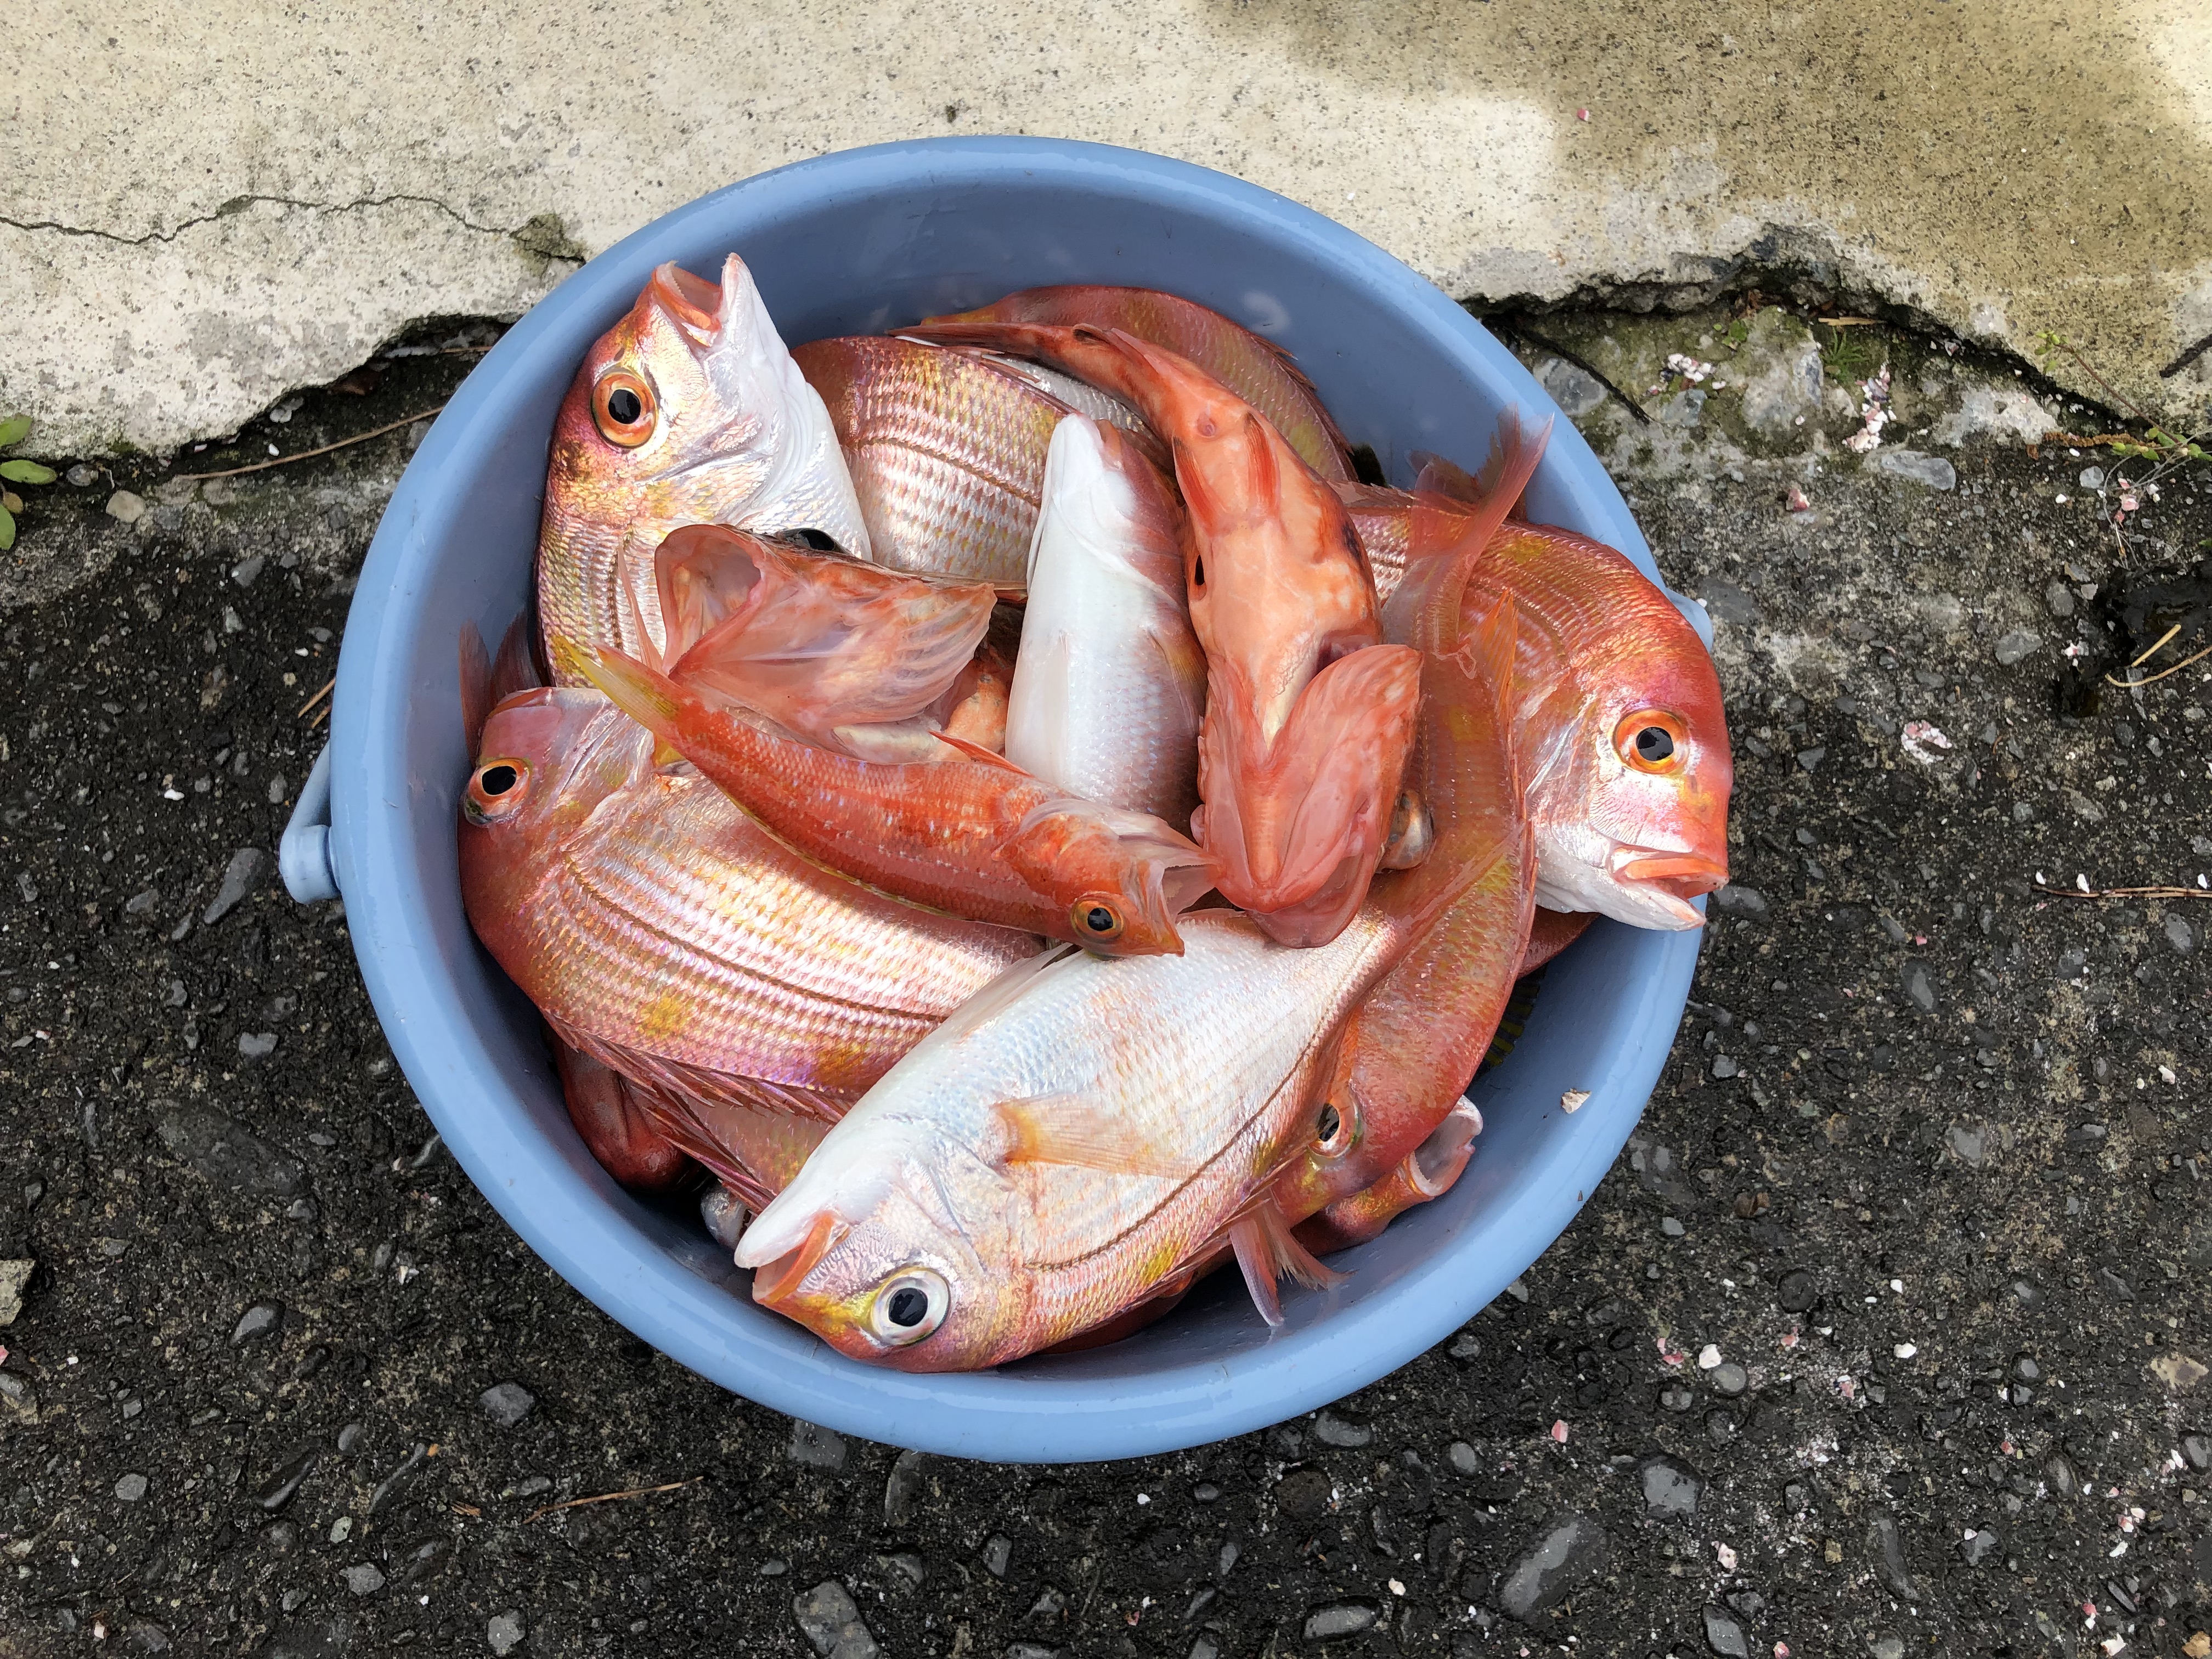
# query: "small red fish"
978,837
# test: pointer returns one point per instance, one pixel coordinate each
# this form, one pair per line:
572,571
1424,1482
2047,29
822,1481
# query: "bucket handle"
303,856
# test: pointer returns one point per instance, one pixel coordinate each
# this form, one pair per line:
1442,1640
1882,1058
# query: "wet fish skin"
1078,1138
1110,687
729,433
946,452
665,933
615,1128
977,837
1260,371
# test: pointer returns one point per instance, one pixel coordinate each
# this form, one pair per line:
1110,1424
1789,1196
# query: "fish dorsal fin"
1074,1129
515,669
476,687
1266,1252
979,755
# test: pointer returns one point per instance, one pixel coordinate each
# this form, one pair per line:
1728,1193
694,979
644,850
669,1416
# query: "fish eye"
1652,740
1095,918
623,408
496,790
910,1305
1332,1130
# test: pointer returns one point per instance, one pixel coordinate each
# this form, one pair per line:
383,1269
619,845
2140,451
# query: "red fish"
978,837
1260,371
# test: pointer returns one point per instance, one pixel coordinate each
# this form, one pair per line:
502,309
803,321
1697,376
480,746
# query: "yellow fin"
1266,1252
1066,1129
649,698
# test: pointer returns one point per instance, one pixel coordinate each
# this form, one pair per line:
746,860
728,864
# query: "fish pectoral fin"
1266,1252
1074,1129
646,696
976,752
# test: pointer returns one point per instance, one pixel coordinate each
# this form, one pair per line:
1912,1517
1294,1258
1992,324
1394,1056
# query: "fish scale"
946,452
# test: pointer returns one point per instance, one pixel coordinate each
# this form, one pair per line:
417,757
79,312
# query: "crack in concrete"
237,204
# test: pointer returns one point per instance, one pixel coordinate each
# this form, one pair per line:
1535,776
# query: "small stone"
998,1554
1737,900
828,1620
1798,1292
1333,1430
18,1398
225,1154
249,866
246,570
257,1045
1206,1492
504,1633
1569,1550
1730,1378
1709,1356
82,477
131,1488
1920,986
1338,1618
1976,1546
817,1447
1575,390
903,1490
256,1322
1887,1546
15,1273
1463,1458
364,1578
283,1483
2115,1286
1724,1636
774,1567
1671,1227
125,507
2093,477
1810,759
2060,598
1888,1645
2197,1450
2014,645
1931,470
906,1566
2029,1297
2178,934
1670,1489
1725,602
1465,1346
2177,1371
1970,1142
507,1403
1721,1427
351,1437
1724,1067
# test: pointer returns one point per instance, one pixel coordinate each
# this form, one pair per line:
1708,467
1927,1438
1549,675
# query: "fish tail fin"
1266,1252
476,687
1444,543
1435,475
647,696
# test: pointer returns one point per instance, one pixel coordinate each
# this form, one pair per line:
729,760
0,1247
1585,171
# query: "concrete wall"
205,207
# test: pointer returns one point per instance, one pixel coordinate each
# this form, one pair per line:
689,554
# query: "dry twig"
2123,892
306,455
325,692
609,1497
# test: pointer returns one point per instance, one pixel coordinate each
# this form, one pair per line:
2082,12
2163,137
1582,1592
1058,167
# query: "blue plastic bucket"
853,243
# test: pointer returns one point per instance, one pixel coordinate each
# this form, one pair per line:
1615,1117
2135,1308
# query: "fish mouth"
775,1279
1684,876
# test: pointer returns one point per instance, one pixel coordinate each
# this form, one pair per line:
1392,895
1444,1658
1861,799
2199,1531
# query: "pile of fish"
1008,811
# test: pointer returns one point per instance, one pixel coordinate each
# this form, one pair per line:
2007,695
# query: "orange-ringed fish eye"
496,790
623,408
1331,1130
1652,740
910,1304
1095,918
